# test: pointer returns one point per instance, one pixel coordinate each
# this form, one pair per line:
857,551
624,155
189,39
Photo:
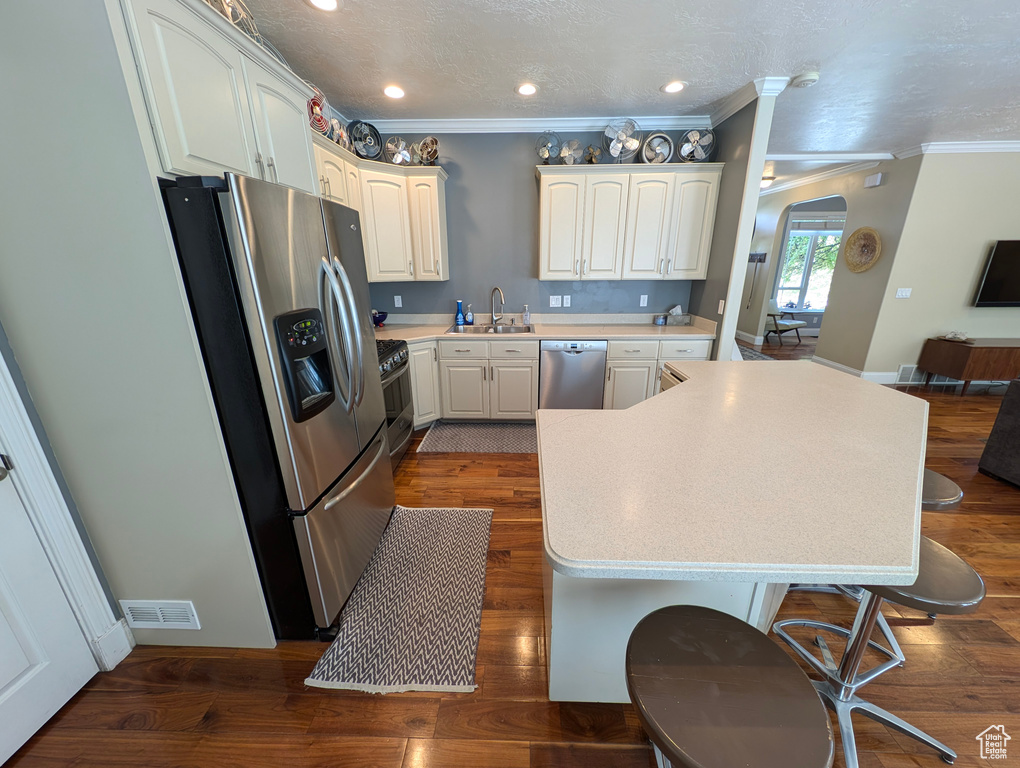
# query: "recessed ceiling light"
527,89
394,91
325,5
766,181
674,87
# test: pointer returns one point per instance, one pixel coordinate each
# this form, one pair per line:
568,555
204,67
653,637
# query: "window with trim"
809,259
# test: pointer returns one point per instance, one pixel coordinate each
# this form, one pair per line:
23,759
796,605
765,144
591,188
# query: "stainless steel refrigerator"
278,289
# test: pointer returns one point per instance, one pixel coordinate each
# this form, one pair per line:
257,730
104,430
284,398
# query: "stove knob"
403,354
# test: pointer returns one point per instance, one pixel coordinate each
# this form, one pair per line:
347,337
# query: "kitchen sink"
490,329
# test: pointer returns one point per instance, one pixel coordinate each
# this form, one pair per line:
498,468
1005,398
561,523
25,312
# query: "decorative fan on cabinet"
428,150
548,147
570,153
365,139
397,151
658,148
622,139
592,155
696,146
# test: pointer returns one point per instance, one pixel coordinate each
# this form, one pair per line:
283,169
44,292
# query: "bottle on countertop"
526,317
469,318
460,313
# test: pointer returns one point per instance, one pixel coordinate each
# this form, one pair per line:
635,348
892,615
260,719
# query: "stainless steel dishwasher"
572,374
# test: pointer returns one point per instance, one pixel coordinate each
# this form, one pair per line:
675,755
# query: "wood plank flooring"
790,350
229,707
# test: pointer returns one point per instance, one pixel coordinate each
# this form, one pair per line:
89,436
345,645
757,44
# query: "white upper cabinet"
426,194
605,224
281,128
694,201
561,202
649,209
332,175
385,221
194,88
631,222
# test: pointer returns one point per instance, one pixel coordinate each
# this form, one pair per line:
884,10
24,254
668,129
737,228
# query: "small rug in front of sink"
413,619
480,437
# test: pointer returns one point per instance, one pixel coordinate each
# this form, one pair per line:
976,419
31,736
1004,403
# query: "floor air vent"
160,614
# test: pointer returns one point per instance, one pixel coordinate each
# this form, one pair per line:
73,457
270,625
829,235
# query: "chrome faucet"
496,318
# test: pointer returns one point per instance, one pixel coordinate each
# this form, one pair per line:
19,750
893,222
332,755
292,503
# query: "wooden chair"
777,325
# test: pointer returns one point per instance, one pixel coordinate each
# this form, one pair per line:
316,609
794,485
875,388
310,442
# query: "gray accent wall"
492,221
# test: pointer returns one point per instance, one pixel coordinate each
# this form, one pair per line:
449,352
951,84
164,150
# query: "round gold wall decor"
863,249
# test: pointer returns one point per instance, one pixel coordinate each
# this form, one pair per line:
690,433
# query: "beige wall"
92,302
854,299
962,204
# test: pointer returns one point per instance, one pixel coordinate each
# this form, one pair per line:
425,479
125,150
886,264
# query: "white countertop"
746,471
550,331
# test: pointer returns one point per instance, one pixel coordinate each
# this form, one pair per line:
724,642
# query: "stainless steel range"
394,367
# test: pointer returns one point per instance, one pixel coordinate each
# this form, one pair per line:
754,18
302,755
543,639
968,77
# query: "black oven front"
395,369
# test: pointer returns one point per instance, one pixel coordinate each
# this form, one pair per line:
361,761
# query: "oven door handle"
394,375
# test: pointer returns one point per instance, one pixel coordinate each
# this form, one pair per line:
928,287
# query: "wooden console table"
979,360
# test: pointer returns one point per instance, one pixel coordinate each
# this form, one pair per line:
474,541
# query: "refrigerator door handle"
359,331
381,451
336,297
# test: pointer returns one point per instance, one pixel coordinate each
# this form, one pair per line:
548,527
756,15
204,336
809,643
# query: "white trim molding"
958,147
107,635
534,124
830,157
837,366
750,338
736,101
832,173
887,378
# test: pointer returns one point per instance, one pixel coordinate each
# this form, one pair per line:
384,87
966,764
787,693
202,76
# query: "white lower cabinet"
465,387
513,389
488,380
424,361
628,383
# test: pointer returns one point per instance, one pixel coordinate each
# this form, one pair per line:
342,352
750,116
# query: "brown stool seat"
945,584
938,492
714,692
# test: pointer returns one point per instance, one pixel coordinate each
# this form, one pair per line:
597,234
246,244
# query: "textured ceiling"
895,74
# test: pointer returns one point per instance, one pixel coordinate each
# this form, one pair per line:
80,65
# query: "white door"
561,214
693,222
605,224
513,389
281,129
353,188
384,222
424,382
194,89
332,177
465,388
628,384
44,659
427,198
649,207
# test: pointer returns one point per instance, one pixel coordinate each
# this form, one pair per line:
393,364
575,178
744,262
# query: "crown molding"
958,147
771,86
830,157
736,101
535,124
815,177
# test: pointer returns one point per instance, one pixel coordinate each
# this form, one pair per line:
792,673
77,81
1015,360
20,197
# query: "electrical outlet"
566,300
722,305
398,301
644,300
903,293
555,301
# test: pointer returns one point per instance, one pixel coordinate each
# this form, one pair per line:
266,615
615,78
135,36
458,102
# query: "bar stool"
714,692
939,493
945,584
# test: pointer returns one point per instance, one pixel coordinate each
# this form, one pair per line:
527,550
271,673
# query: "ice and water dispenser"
305,358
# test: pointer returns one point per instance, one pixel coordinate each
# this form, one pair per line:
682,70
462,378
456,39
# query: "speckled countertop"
551,331
747,471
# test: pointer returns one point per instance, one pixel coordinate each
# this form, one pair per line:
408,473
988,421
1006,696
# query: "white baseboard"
113,647
837,366
880,377
750,338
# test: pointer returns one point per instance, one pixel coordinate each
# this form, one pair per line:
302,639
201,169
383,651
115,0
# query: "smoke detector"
804,81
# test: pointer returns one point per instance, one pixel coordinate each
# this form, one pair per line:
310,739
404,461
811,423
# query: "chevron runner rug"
480,437
412,621
753,354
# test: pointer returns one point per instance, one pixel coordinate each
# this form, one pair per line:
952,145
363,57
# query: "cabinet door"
561,214
693,222
605,224
465,388
428,227
332,177
194,90
629,384
384,220
424,382
353,187
281,128
649,206
513,389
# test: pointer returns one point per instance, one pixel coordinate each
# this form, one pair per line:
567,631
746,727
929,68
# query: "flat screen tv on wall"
1000,284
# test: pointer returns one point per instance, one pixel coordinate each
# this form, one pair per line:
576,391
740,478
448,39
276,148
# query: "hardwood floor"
229,707
790,350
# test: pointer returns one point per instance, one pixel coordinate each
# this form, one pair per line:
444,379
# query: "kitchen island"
721,491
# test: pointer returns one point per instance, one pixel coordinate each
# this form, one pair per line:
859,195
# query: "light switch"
644,300
398,301
903,293
566,300
722,305
555,301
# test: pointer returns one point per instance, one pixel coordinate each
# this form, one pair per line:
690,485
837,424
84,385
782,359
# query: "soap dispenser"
460,313
469,318
526,317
